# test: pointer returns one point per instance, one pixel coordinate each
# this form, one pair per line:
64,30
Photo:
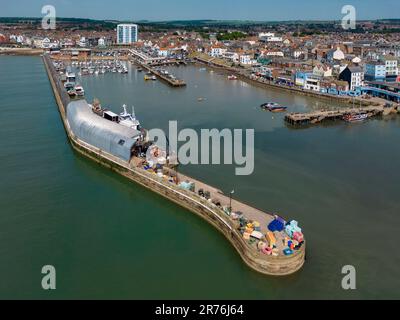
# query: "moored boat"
79,90
129,119
355,117
71,93
273,107
232,77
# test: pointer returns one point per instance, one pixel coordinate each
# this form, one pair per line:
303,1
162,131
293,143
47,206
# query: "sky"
162,10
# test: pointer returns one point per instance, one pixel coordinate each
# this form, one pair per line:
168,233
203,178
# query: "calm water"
109,238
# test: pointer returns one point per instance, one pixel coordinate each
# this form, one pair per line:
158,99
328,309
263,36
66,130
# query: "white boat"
71,77
355,117
129,119
79,91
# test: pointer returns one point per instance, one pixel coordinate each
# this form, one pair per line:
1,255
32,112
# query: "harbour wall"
269,265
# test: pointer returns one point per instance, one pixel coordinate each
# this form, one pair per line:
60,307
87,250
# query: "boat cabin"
70,76
109,115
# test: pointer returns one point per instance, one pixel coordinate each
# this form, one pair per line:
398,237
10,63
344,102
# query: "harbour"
322,189
275,261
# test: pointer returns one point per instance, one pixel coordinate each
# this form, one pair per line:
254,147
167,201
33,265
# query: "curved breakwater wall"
277,266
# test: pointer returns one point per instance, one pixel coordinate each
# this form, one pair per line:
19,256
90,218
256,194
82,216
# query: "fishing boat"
357,117
147,77
232,77
273,107
129,119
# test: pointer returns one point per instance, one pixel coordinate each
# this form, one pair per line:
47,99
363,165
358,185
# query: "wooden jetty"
338,114
163,77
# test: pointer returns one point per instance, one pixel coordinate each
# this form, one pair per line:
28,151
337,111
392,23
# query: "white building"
162,52
274,39
354,77
232,56
217,51
298,53
101,42
322,71
391,64
312,84
266,34
127,33
273,53
245,59
335,55
82,42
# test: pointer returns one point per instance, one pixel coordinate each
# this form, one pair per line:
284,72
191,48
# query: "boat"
71,93
278,109
139,69
79,91
232,77
70,76
273,107
147,77
355,117
129,119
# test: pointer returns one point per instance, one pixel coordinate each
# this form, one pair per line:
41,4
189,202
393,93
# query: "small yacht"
71,77
79,91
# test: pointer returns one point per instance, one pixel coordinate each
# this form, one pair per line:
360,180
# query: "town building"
335,55
354,77
127,33
322,70
392,70
312,83
217,51
375,71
